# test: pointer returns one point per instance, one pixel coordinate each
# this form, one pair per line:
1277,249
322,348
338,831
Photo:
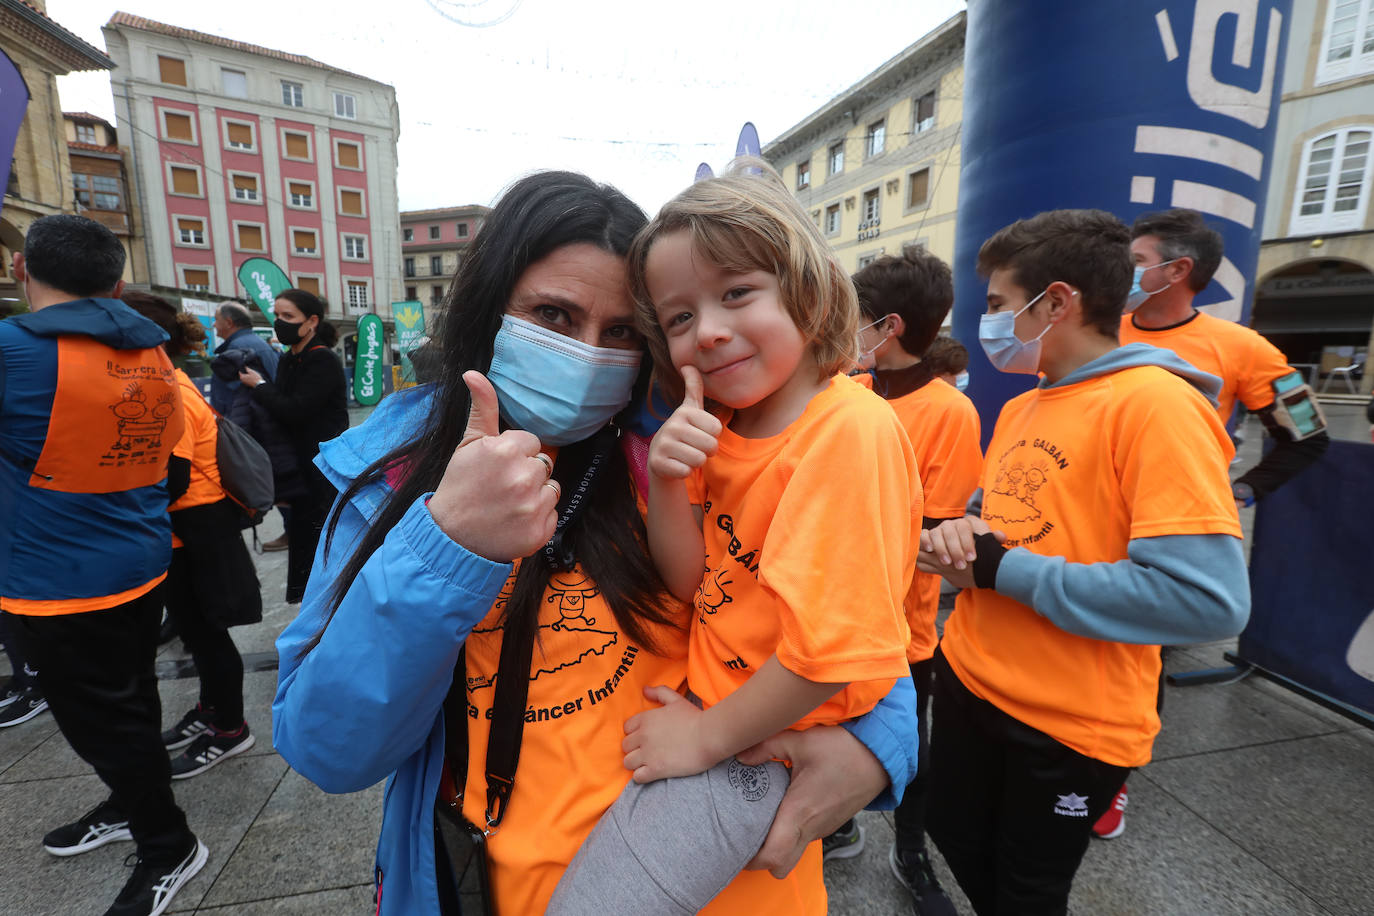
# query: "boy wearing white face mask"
1104,527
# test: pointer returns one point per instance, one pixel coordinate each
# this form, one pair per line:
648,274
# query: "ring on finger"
546,461
553,485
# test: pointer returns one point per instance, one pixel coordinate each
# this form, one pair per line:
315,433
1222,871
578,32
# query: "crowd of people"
659,543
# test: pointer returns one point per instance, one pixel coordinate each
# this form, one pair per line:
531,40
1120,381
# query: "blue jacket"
61,545
221,390
366,703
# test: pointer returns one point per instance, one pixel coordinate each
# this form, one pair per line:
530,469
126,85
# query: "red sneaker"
1113,823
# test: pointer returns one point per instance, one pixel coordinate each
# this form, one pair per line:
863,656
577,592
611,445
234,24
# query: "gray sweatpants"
670,846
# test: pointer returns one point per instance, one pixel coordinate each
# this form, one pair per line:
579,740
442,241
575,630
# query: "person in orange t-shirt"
1105,527
806,472
905,299
211,584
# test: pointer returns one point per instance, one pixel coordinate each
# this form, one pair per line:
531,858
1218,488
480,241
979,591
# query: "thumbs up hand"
497,497
688,438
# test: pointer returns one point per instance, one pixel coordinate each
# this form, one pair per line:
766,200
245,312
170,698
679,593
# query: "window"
292,94
832,219
925,112
350,202
355,247
433,232
297,145
436,265
235,83
348,155
245,188
836,158
195,278
410,294
239,135
870,205
436,296
357,295
249,237
85,133
918,188
311,284
410,267
867,260
98,192
345,106
190,231
1348,43
303,240
301,194
877,134
1335,183
803,175
171,70
462,230
185,180
407,235
178,126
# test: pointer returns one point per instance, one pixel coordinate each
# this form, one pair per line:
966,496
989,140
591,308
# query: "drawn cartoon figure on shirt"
711,594
1019,484
137,422
559,645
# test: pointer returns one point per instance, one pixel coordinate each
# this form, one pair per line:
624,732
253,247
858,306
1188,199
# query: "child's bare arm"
681,740
682,445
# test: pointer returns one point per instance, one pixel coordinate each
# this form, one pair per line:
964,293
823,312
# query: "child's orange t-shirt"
1246,363
198,445
943,427
1078,472
811,539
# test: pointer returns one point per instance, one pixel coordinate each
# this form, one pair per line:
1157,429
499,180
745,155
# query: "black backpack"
245,471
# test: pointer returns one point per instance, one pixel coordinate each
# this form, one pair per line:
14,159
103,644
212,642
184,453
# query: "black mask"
288,333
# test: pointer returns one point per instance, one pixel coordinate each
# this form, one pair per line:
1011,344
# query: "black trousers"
96,671
303,527
1013,809
910,816
212,648
22,675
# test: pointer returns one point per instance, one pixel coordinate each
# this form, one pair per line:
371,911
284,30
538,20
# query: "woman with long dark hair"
498,511
309,400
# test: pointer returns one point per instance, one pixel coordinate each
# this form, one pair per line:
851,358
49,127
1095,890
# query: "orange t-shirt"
1078,472
571,766
942,424
1246,363
198,446
810,547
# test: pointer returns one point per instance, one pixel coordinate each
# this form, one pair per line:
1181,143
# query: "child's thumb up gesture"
688,438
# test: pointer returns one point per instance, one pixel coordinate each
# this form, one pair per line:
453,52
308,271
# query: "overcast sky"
633,92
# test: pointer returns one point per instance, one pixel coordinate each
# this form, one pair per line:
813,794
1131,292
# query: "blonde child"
788,516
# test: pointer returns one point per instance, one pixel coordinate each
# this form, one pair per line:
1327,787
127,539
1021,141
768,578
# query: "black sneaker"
8,694
917,876
22,708
103,824
845,843
150,889
192,725
209,749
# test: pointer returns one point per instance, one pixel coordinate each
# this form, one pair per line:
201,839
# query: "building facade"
100,186
40,181
1315,288
432,247
877,167
240,151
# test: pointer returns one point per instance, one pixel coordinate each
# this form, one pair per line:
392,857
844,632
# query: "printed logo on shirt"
1023,470
750,782
1072,805
711,594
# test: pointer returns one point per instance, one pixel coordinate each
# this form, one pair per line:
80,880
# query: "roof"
86,117
91,147
128,20
445,212
74,52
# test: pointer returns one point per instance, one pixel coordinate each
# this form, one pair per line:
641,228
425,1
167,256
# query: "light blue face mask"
1137,296
559,389
1006,351
961,381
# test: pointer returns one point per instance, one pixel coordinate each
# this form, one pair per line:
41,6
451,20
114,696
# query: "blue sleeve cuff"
474,575
889,732
1016,574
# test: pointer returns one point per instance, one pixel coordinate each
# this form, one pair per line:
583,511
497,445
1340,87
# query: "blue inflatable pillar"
1128,107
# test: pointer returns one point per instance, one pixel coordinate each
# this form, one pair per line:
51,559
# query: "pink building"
243,151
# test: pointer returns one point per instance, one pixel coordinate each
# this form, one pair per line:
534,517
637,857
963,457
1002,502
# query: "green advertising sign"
367,364
264,281
410,324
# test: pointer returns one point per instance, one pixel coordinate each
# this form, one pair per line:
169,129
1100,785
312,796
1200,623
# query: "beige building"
101,188
878,165
432,246
40,178
1315,285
